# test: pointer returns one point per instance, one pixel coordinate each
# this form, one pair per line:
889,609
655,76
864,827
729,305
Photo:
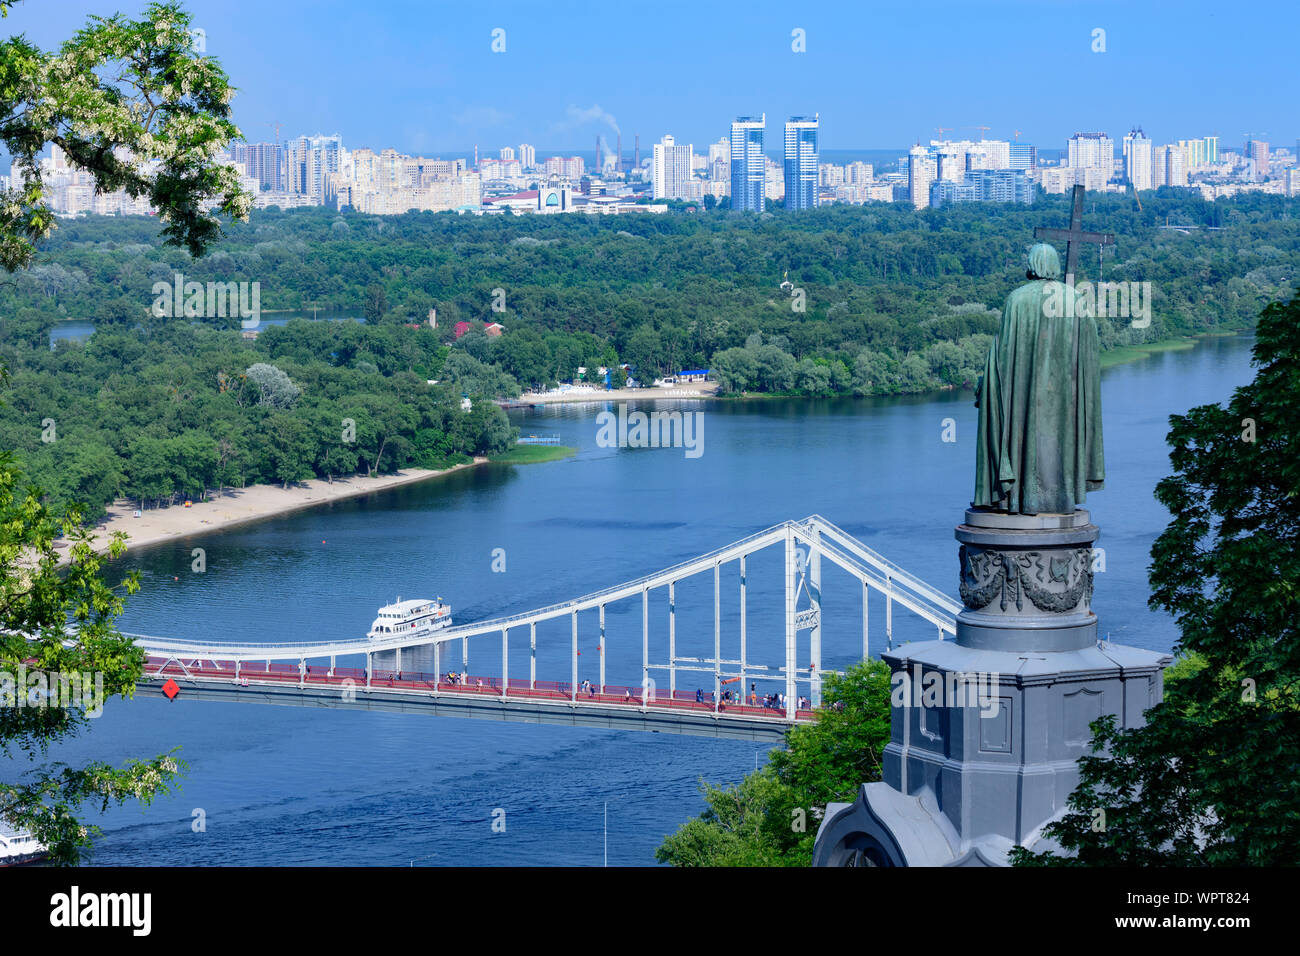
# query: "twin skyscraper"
749,165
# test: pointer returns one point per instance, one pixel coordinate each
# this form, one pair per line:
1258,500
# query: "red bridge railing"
519,688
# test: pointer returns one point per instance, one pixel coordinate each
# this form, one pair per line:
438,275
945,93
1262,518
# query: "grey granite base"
986,731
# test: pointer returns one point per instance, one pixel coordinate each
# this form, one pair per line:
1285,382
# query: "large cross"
1075,236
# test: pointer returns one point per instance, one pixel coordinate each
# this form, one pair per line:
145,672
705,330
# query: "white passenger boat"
16,848
410,619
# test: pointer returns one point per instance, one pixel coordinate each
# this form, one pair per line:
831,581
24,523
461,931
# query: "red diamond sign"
171,689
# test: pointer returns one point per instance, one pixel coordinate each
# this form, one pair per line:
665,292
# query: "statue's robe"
1039,447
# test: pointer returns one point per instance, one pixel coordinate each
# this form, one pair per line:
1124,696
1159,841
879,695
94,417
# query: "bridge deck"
544,702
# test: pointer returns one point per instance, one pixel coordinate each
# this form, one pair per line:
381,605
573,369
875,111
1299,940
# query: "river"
282,785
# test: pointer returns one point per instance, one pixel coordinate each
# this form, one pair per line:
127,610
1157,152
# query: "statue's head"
1044,261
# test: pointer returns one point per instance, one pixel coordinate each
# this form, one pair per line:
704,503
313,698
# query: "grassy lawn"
1131,353
532,454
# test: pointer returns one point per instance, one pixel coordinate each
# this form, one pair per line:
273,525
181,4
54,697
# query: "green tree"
38,602
487,430
812,378
1213,778
149,473
734,369
770,817
132,104
92,474
466,374
292,448
274,387
117,97
376,302
381,421
643,352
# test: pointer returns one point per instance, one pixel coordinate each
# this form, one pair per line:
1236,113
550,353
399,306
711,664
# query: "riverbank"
241,505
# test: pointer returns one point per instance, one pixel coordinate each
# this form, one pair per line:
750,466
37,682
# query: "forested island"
880,299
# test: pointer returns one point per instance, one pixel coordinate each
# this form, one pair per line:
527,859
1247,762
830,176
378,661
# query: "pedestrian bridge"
309,674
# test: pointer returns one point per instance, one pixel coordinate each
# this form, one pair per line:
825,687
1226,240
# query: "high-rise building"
262,161
1002,185
719,167
988,154
390,183
308,160
507,152
58,160
1194,152
984,185
1257,149
801,162
859,173
1091,150
949,162
719,152
1137,159
829,174
527,156
565,167
944,192
490,169
1212,149
1175,160
921,172
954,158
1022,156
748,163
671,170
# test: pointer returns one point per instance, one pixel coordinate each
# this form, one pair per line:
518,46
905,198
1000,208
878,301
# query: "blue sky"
422,77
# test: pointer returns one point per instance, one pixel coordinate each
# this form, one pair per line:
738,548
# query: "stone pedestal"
1026,582
987,729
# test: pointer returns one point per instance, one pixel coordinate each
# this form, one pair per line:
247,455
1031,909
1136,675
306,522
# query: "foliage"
176,410
38,599
770,817
275,389
130,102
896,300
1213,779
533,454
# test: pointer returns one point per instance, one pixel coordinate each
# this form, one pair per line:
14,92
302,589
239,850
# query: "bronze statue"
1039,449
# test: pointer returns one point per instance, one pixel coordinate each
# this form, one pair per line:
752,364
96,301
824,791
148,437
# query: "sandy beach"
697,390
241,505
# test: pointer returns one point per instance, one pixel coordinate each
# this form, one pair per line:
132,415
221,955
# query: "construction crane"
944,129
277,124
1017,136
982,129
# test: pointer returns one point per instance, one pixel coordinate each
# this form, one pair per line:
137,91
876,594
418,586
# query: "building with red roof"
490,328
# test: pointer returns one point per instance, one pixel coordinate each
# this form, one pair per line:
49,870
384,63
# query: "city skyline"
321,170
434,84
